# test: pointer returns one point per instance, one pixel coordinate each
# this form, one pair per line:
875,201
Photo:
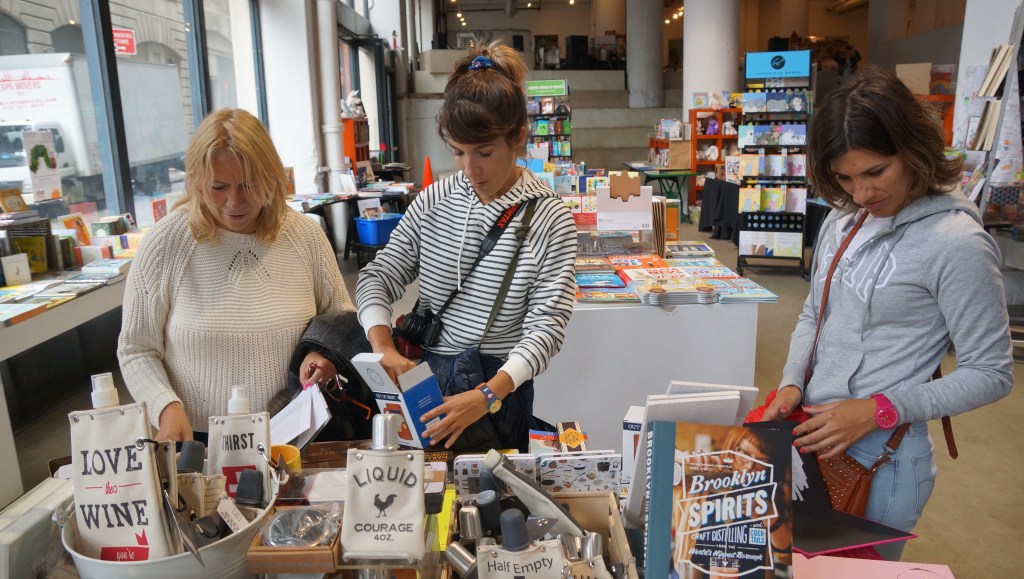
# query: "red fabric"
757,414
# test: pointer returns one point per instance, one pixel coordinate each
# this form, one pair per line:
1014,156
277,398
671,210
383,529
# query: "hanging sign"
543,88
788,64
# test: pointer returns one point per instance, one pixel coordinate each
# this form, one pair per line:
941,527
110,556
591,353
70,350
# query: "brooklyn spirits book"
718,501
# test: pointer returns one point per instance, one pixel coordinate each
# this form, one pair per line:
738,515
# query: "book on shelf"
740,290
11,201
599,280
727,486
748,394
774,165
684,249
749,199
692,262
773,199
17,217
71,289
601,295
998,64
637,276
640,260
12,313
751,164
35,247
108,278
710,272
717,408
76,221
593,264
113,265
796,199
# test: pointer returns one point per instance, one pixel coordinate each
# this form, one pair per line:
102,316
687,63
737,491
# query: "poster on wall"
42,165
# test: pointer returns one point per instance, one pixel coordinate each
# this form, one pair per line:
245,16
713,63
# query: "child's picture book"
593,264
729,491
796,165
751,164
619,295
774,165
532,106
796,199
547,105
644,260
700,100
750,199
732,168
542,127
793,135
688,249
773,199
600,280
776,102
754,102
35,247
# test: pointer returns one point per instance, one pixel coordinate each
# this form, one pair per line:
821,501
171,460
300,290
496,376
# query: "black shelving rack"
775,222
772,223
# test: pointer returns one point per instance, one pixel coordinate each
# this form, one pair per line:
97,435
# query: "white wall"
289,39
987,24
939,46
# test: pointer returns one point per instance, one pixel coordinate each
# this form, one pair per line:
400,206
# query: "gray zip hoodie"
931,277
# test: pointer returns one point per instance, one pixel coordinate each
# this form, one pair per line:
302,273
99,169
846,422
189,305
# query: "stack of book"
683,249
18,217
741,289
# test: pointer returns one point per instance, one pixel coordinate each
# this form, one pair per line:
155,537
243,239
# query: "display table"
32,332
616,354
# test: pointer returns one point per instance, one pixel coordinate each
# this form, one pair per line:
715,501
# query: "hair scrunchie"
481,62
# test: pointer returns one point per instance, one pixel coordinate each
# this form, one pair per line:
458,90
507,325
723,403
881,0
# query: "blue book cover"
718,501
599,280
421,394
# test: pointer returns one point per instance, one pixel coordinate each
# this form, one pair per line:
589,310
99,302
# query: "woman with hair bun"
486,373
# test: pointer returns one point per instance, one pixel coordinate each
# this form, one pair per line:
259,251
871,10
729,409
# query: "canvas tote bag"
118,494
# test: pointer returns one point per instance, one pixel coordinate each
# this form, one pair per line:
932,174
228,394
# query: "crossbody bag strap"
824,293
486,246
947,424
506,282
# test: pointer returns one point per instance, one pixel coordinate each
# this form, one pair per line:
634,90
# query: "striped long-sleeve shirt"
438,240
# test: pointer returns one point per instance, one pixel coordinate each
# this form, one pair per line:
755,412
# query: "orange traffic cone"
428,175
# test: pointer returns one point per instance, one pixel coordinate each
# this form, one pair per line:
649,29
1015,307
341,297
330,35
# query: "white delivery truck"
51,92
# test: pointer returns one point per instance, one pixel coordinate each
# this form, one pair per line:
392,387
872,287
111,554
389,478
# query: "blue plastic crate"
377,231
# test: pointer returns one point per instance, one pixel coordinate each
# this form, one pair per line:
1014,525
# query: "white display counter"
32,332
615,355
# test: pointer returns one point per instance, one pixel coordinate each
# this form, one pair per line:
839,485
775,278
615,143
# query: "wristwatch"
886,415
493,402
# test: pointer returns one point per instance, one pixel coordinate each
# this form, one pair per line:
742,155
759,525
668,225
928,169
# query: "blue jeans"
902,487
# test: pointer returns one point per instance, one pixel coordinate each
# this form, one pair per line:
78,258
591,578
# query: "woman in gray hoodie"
919,272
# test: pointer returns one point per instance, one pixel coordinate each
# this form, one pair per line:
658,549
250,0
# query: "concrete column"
643,54
886,20
794,17
608,15
711,48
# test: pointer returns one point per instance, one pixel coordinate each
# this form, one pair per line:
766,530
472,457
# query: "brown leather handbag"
847,481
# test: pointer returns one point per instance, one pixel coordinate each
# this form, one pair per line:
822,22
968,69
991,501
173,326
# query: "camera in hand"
422,329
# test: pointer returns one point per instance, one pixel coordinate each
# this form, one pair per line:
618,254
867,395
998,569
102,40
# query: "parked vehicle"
51,92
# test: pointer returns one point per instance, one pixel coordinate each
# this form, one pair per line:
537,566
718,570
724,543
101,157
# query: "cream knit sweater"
199,318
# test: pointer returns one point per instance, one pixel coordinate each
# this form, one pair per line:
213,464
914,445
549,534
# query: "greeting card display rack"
775,115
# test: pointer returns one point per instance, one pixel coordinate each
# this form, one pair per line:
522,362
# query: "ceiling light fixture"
459,14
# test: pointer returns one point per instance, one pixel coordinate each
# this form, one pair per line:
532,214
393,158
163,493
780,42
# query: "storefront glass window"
156,102
229,47
44,89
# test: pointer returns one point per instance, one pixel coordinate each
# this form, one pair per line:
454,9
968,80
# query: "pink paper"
846,568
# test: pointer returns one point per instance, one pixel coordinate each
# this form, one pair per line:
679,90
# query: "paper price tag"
232,516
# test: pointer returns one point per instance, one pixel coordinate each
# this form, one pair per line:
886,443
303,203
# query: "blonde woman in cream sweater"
223,288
